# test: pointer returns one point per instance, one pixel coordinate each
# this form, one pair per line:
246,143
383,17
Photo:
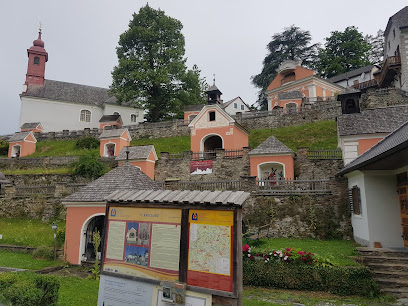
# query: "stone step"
391,274
403,252
391,283
383,259
385,266
399,293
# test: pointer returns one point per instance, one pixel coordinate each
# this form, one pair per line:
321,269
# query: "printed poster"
143,242
210,252
201,167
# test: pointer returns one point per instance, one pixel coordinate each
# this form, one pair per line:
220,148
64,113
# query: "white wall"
359,222
230,109
384,216
57,116
125,112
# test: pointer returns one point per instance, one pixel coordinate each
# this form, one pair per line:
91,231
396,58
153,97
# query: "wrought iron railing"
290,186
210,185
324,154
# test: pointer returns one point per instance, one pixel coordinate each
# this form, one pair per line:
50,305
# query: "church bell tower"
37,56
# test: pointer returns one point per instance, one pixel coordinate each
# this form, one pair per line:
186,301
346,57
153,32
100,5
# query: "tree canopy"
152,71
293,43
343,52
376,53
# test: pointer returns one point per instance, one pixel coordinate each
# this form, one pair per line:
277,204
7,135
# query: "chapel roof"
213,88
124,177
112,133
193,107
182,197
400,19
395,141
136,152
19,136
271,146
371,121
30,125
109,118
70,92
351,73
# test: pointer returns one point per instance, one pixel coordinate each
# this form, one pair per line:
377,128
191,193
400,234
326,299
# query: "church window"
211,116
393,32
355,200
133,117
235,105
36,60
242,107
85,116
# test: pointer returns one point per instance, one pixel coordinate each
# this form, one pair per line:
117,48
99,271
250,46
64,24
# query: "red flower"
245,248
251,258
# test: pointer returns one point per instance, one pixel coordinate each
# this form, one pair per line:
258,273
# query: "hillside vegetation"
313,135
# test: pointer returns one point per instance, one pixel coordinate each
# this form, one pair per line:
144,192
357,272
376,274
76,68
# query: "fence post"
248,183
187,155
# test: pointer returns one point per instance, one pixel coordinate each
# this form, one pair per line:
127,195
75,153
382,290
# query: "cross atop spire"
214,79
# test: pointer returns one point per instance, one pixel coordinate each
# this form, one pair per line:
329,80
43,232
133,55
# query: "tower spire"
37,57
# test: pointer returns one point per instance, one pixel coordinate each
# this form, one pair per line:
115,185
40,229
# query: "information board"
210,249
143,242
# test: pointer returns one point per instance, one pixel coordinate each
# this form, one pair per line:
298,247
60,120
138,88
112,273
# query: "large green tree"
343,52
376,53
293,43
152,72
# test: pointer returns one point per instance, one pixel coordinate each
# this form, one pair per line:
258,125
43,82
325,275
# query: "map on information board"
210,248
210,254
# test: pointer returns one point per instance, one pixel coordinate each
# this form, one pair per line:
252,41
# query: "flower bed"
301,270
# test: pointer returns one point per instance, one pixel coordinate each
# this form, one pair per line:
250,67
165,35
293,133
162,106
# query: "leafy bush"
44,252
89,166
4,146
336,280
61,236
28,288
87,143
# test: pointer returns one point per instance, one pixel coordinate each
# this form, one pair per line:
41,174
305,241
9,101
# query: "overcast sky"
224,37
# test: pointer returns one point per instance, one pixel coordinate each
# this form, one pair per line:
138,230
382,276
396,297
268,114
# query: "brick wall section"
223,168
383,98
45,162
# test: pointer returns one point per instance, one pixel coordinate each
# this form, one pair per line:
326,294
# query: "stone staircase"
389,268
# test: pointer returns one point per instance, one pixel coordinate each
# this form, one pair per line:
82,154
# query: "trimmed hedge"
336,280
27,288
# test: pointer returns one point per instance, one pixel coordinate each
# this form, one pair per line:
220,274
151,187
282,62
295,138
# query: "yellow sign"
211,217
155,215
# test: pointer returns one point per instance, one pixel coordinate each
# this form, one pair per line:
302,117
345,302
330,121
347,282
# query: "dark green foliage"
87,143
44,252
29,289
336,280
151,71
343,52
4,146
61,236
89,166
293,43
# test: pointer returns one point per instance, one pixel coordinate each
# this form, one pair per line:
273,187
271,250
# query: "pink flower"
245,248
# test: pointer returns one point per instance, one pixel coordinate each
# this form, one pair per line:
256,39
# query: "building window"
389,45
133,117
211,116
393,32
85,116
355,200
36,60
235,105
355,82
242,107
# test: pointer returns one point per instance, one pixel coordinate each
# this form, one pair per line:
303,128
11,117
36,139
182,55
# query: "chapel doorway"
16,151
110,150
96,223
403,201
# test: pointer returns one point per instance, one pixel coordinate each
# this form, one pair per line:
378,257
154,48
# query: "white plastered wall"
125,113
384,218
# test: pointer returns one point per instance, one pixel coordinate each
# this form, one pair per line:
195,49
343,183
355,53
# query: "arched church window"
36,60
85,116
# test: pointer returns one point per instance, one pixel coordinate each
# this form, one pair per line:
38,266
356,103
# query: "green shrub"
4,146
26,288
87,143
61,236
89,166
336,280
44,252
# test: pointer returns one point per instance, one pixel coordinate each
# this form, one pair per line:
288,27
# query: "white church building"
62,106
